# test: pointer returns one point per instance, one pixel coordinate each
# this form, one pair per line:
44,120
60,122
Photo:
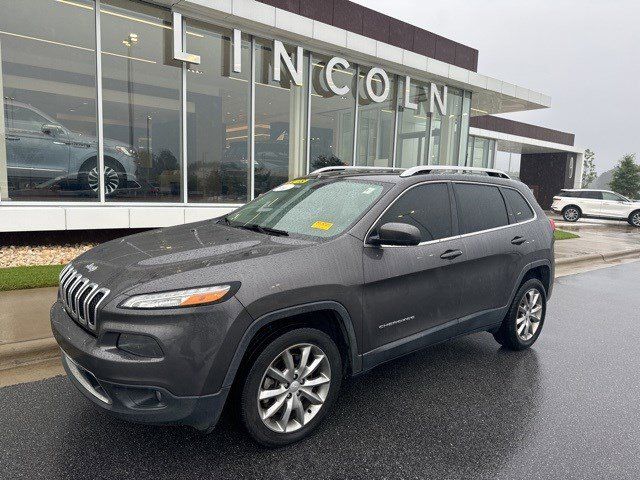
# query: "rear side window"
426,207
480,207
591,195
569,194
520,209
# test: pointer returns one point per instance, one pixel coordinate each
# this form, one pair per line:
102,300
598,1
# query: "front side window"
520,209
308,207
480,207
613,197
426,207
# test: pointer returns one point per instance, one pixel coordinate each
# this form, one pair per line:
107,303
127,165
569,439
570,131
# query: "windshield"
308,206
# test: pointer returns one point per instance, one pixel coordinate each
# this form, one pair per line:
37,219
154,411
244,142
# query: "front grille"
81,297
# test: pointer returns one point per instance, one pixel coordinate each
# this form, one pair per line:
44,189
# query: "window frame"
455,228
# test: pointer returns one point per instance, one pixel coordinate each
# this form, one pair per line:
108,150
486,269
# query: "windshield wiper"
266,230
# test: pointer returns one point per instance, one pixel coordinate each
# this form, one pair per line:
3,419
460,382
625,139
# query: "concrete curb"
31,351
599,257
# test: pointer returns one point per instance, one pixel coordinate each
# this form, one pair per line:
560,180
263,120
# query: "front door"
614,205
409,289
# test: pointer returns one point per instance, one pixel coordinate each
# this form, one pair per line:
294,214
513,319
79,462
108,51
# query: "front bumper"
173,389
153,405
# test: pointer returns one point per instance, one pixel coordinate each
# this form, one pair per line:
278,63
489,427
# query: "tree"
626,177
589,170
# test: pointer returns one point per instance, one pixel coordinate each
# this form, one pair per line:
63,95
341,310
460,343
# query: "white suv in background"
573,204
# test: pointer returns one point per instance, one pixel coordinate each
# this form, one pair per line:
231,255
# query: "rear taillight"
553,225
555,199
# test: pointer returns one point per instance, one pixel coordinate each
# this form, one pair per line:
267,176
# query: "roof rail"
356,168
426,169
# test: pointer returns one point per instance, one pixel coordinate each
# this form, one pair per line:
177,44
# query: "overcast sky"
584,53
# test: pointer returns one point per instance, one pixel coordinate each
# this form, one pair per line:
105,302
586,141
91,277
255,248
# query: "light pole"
129,42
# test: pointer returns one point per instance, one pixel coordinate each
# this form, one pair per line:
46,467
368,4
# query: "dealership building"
130,114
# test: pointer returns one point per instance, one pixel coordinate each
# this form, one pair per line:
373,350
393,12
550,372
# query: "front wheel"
634,219
571,214
113,177
290,387
523,323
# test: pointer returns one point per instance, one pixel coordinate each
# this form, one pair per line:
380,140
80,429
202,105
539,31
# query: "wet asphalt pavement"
567,408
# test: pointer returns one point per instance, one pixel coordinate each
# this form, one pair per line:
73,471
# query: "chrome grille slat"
77,293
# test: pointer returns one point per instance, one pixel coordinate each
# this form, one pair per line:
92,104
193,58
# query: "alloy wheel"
529,314
571,215
635,219
294,388
111,180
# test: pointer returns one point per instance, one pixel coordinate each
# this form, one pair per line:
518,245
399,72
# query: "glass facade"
480,152
331,119
376,122
173,132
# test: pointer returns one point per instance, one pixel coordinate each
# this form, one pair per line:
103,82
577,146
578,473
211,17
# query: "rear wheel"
571,214
290,387
523,324
634,219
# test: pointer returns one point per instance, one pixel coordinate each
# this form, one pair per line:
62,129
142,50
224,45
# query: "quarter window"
520,209
426,207
480,207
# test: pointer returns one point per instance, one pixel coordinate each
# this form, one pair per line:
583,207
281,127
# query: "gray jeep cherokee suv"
324,277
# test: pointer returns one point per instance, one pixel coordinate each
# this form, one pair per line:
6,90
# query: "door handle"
13,139
451,254
518,240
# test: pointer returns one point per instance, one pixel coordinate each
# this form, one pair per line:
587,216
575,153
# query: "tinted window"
480,207
427,207
520,209
592,195
569,194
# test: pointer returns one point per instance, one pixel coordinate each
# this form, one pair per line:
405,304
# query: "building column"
579,170
4,183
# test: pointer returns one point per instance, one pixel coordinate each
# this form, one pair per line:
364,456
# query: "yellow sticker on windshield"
299,181
322,225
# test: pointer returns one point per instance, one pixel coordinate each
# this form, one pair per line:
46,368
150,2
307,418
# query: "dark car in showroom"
269,308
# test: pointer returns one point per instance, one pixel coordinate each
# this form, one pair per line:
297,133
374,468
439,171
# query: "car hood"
190,255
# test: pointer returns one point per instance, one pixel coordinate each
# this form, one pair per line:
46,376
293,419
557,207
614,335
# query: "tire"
113,173
511,334
571,213
311,404
634,219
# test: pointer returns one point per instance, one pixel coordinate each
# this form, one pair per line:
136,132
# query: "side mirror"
51,129
396,234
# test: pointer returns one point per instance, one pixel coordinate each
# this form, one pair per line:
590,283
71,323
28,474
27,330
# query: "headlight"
178,298
129,152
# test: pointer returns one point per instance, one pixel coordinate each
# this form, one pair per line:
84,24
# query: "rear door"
409,289
491,263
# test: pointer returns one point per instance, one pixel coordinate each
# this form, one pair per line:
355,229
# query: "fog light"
140,345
